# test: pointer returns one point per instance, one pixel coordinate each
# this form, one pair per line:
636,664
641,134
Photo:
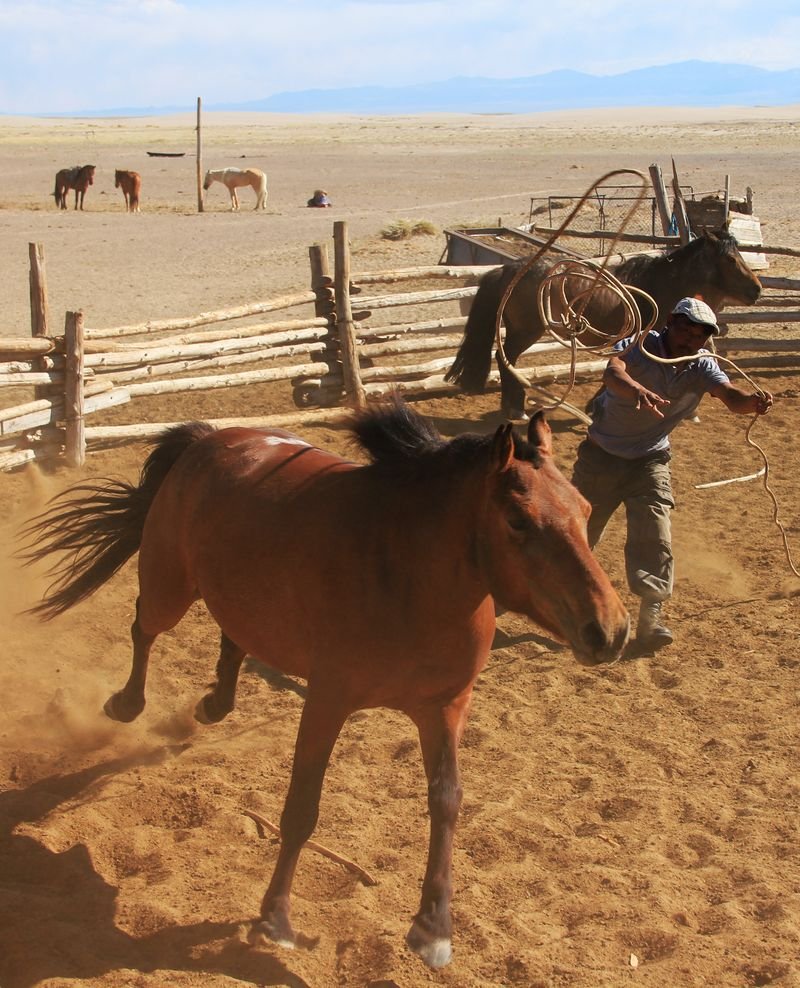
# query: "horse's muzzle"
595,645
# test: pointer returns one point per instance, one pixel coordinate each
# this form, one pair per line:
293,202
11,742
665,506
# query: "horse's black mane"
721,242
396,437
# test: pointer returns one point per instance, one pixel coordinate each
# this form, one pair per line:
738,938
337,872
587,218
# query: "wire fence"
606,209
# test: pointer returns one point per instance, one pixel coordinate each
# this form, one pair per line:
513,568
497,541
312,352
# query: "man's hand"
650,402
763,401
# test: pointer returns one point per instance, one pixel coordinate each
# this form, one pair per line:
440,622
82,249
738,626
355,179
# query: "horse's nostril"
593,637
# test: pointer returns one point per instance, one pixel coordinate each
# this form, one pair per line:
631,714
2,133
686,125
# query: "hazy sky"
67,55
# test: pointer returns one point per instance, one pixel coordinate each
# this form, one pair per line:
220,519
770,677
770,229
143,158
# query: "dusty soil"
647,811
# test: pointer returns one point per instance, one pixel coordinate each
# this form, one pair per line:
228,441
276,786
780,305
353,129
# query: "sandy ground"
649,809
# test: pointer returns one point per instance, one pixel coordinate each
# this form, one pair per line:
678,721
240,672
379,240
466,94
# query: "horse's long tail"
55,193
99,525
473,360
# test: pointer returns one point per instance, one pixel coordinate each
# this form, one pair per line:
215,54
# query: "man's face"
684,337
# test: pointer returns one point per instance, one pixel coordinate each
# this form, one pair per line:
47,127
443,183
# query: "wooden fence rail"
332,358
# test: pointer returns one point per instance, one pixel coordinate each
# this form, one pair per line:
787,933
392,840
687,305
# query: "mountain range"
691,83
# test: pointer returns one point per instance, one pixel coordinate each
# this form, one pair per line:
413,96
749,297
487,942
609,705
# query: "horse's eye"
519,523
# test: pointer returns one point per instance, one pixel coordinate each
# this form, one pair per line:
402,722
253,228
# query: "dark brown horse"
710,266
375,583
78,178
131,185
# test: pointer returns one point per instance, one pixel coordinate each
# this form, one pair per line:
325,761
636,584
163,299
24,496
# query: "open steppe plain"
648,810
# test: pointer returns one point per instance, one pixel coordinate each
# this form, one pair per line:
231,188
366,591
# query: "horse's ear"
540,434
502,452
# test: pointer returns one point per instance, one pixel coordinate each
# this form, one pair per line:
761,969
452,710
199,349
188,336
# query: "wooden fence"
348,346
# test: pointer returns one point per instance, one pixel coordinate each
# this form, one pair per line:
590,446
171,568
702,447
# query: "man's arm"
619,382
742,402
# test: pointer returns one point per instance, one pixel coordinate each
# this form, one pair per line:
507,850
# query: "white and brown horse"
236,178
131,185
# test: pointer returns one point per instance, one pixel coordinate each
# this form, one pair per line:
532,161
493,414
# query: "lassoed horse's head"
740,282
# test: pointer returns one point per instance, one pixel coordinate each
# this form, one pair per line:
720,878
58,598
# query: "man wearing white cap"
625,457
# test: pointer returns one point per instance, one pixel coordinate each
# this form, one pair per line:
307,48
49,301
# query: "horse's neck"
668,281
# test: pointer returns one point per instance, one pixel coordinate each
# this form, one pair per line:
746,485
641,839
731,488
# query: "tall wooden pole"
75,439
39,308
199,157
661,198
680,208
354,389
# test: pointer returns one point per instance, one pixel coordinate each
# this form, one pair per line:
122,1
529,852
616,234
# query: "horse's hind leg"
128,703
220,701
320,724
440,731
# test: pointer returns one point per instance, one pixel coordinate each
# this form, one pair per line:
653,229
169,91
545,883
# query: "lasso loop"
568,288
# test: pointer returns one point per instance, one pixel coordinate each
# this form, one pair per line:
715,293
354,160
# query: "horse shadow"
58,899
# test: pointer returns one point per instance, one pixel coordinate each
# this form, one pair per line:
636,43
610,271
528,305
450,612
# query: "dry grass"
403,229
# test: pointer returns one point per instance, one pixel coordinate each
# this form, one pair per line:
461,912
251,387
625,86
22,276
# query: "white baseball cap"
698,311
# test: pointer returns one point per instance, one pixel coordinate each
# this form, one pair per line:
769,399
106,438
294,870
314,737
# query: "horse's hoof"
516,415
266,932
207,711
435,951
117,708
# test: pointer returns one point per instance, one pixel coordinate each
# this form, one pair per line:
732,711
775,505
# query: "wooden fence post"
353,386
321,283
199,156
39,310
75,438
661,198
684,230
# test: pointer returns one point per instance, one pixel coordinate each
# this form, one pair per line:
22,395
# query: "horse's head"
117,175
736,282
207,181
535,552
89,170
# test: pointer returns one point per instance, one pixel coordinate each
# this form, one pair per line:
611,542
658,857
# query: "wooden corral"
347,344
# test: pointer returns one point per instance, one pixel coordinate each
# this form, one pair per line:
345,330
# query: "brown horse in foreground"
131,185
710,266
375,583
78,178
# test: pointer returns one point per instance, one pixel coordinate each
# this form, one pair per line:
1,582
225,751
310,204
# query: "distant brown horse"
375,583
131,184
710,266
78,178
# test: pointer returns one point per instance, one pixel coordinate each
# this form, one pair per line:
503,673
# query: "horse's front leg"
320,724
512,390
234,201
128,703
440,732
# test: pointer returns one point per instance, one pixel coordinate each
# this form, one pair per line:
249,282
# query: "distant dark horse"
375,583
710,266
78,178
